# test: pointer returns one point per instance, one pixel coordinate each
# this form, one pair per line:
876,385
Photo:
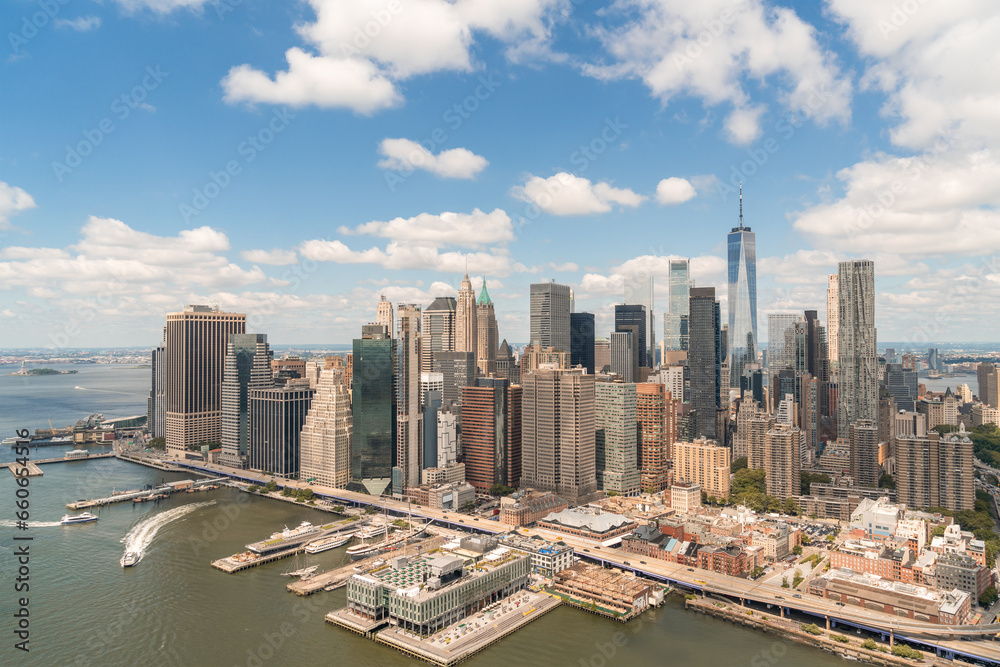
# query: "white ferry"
328,543
78,518
305,528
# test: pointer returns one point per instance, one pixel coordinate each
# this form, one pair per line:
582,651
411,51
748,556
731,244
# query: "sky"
296,160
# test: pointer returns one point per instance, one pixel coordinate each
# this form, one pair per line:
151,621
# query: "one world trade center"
742,299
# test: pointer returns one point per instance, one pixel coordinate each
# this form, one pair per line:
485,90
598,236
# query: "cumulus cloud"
360,49
80,23
710,49
275,257
407,155
13,200
674,190
402,256
567,194
470,230
160,6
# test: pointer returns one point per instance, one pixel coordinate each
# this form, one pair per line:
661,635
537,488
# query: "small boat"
328,543
304,572
78,518
130,558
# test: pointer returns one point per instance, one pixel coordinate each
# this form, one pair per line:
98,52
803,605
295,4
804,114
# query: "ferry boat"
305,528
78,518
369,532
74,454
359,551
328,543
304,572
130,558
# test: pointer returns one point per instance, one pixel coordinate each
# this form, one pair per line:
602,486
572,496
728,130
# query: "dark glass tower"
634,315
704,358
373,403
248,366
742,299
581,326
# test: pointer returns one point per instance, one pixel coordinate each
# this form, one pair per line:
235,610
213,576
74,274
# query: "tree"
869,644
784,582
158,443
797,579
747,481
738,464
790,506
886,481
756,572
807,478
271,486
501,490
988,597
797,550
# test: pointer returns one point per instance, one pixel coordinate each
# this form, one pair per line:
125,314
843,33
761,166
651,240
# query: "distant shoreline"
44,371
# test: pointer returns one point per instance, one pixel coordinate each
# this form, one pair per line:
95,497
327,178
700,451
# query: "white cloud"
674,190
13,200
160,6
407,155
709,49
275,256
363,47
403,256
80,23
566,267
470,230
567,194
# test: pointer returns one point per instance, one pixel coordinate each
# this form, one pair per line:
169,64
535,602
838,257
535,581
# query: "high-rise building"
488,338
458,369
557,442
639,291
196,340
635,316
582,340
748,409
758,426
624,353
466,328
506,366
742,299
277,415
156,404
863,439
706,463
935,470
431,406
675,323
373,406
409,417
491,433
248,366
615,430
782,460
704,359
934,360
384,316
656,422
602,354
988,376
858,367
901,383
326,434
833,317
549,317
778,357
438,331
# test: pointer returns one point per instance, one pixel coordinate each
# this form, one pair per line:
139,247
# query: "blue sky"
267,157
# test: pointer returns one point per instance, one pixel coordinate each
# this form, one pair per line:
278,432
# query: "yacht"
328,543
371,531
130,558
304,528
78,518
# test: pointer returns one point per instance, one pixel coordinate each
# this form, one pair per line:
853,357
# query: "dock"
173,487
268,551
239,562
457,642
332,579
35,471
149,462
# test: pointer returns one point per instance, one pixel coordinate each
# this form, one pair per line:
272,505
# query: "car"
840,604
779,597
625,562
796,596
690,569
587,550
643,562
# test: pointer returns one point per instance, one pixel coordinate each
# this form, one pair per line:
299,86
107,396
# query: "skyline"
217,175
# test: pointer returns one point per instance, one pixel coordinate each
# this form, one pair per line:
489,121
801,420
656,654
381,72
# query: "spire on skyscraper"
484,296
741,203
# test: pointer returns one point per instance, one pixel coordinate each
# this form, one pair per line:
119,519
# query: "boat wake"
141,535
6,523
103,391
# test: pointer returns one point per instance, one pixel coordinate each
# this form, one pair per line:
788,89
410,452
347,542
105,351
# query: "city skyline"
176,177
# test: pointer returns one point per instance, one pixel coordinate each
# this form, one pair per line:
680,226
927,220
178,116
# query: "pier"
267,551
173,487
239,562
147,461
35,471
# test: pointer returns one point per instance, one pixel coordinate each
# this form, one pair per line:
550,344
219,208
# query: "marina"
281,544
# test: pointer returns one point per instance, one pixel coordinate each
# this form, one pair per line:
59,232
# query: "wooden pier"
229,565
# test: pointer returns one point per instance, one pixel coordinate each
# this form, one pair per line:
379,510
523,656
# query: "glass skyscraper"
373,405
581,327
675,323
704,359
639,290
742,299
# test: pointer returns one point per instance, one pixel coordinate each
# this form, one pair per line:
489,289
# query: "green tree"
797,579
790,506
501,490
158,443
271,486
869,644
738,464
797,550
784,582
807,478
747,481
886,481
988,597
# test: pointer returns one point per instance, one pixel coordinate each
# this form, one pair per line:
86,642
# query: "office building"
430,405
742,305
248,366
487,336
863,438
491,433
326,434
438,331
639,291
457,369
935,471
549,317
782,460
777,324
656,422
988,376
557,443
373,406
633,318
901,383
506,364
384,316
409,417
675,323
706,463
466,328
277,416
196,342
833,317
581,327
615,438
704,359
625,353
602,355
156,404
858,364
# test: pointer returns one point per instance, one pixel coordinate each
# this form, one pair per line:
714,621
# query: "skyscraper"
615,430
248,366
383,315
506,365
988,377
466,330
833,317
582,340
778,357
636,316
782,460
196,340
409,418
625,353
675,323
936,470
858,366
487,336
704,359
326,434
863,439
901,383
639,291
156,407
557,442
657,429
549,318
373,406
742,299
438,334
458,369
277,415
491,433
